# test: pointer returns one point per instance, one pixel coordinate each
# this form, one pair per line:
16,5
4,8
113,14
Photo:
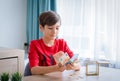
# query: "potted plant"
16,77
4,77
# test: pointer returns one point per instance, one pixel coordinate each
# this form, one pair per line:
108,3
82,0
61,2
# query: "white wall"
13,23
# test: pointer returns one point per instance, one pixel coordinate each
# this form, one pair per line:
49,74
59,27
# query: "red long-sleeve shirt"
42,55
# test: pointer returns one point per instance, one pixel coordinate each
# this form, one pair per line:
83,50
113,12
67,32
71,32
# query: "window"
90,27
77,25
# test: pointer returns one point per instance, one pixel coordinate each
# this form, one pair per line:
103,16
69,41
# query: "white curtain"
91,28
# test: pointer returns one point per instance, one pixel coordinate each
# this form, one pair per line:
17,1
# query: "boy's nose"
54,30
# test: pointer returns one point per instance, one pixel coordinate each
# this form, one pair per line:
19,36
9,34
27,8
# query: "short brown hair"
49,18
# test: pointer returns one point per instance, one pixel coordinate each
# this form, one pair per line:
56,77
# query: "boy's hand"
61,67
69,66
73,65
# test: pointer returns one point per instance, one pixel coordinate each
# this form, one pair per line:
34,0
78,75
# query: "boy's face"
50,32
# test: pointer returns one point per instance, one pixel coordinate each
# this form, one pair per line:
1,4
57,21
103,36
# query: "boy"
42,52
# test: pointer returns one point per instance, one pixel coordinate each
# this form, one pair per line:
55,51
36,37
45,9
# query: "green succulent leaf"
4,76
16,77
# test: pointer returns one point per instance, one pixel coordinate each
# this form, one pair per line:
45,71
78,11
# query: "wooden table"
106,74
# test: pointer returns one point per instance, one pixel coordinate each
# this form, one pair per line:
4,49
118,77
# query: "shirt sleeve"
67,49
33,56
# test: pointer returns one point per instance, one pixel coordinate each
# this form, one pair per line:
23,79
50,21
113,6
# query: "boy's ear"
41,28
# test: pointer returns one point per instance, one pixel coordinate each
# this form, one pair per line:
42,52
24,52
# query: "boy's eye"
50,28
57,28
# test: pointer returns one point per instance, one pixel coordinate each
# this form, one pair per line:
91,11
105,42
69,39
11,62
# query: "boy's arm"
47,69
